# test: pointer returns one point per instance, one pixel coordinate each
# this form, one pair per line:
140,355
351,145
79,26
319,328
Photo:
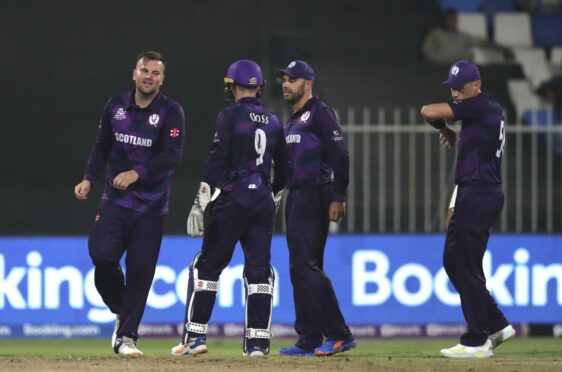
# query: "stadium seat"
556,56
522,97
535,66
473,24
513,29
486,56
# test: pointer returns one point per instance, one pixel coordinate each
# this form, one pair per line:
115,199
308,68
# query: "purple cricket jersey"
481,140
318,154
148,140
248,136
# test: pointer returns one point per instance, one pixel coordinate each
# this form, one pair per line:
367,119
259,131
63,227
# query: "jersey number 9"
260,140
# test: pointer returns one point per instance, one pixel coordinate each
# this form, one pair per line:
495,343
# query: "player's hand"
124,179
336,211
82,190
277,200
447,137
195,223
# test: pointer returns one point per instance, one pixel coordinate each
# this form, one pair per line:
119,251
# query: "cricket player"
317,183
479,201
140,139
237,201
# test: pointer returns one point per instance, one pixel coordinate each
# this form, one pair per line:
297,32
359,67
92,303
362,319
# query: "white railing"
401,178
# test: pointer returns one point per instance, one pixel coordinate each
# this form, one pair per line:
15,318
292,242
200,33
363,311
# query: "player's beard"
296,96
147,92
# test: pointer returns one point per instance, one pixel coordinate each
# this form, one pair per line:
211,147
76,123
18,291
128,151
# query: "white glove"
195,225
277,199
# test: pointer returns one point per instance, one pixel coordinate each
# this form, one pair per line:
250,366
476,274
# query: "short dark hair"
150,55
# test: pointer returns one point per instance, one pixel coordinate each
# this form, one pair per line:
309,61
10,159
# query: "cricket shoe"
501,336
331,347
126,346
256,351
294,350
461,351
193,346
114,335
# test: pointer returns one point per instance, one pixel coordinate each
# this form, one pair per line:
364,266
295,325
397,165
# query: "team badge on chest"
154,119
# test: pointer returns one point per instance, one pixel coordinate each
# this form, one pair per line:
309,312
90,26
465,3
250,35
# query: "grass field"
520,354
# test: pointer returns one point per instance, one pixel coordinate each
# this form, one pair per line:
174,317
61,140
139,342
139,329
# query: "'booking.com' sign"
377,278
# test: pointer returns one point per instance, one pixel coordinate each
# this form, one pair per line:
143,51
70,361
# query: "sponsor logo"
133,140
174,133
259,118
153,120
97,217
253,81
305,116
58,330
121,114
293,138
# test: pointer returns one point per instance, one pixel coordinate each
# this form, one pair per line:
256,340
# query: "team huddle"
253,160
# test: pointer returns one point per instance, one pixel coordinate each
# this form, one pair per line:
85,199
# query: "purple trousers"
118,230
476,209
317,310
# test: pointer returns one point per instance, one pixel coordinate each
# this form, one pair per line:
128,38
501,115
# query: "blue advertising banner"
379,279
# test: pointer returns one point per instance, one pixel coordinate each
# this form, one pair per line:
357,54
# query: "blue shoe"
294,350
332,347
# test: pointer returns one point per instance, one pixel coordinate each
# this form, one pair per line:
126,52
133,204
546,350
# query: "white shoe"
126,346
255,351
501,336
194,346
461,351
114,335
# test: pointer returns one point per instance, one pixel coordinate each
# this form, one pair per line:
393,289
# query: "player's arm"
215,166
280,164
98,155
172,145
280,169
217,160
435,115
335,149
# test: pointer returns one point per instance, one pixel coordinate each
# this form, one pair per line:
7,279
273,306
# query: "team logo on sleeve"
174,132
305,116
153,120
121,114
336,136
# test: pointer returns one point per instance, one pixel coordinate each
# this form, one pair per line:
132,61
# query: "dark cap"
462,72
298,69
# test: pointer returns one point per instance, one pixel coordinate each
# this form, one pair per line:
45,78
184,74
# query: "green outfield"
521,354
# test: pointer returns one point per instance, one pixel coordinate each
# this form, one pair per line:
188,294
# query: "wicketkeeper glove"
277,199
195,225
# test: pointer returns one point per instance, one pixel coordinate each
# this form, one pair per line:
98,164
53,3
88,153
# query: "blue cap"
298,69
462,72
